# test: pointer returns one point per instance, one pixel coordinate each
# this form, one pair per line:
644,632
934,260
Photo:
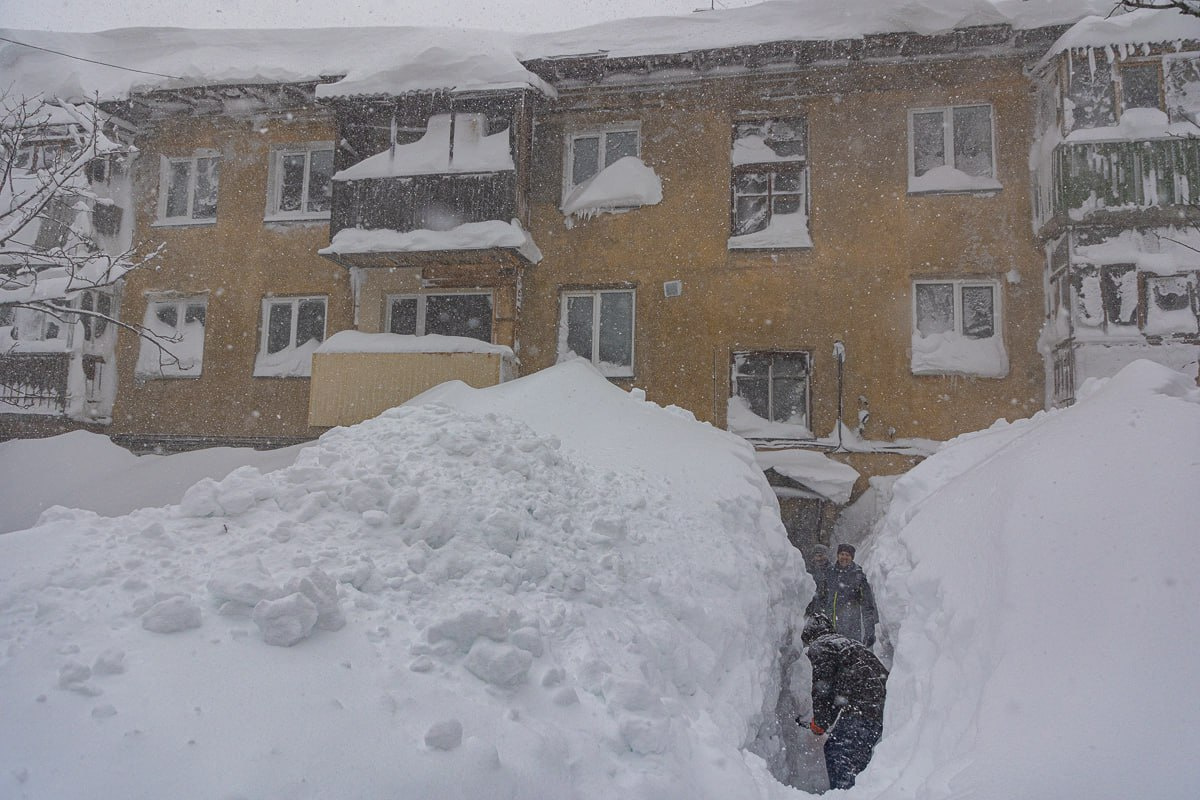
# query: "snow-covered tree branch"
1191,7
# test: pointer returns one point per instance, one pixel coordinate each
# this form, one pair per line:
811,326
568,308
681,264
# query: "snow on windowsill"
360,342
430,155
784,230
623,185
291,362
321,216
953,353
745,423
468,236
183,223
948,179
1136,124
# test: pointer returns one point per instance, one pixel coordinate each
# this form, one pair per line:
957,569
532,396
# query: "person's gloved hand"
815,728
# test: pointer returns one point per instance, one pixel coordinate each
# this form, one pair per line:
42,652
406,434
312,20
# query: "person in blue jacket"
849,603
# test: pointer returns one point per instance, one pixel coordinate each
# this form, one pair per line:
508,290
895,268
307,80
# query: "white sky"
512,15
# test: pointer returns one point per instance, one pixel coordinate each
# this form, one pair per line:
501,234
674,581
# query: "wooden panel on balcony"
424,202
1106,178
34,383
350,387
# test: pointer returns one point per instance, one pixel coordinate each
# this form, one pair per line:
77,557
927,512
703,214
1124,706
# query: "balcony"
34,383
357,376
1124,183
445,200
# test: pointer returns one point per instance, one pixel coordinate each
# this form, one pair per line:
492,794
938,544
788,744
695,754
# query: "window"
56,220
956,329
292,328
770,184
459,314
1141,85
951,149
94,327
300,182
598,325
187,191
1106,296
1171,304
589,152
175,348
770,394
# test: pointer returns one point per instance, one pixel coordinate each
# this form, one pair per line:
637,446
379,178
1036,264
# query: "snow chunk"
624,184
951,352
286,621
445,735
744,422
173,615
816,471
467,236
359,342
950,179
784,230
498,664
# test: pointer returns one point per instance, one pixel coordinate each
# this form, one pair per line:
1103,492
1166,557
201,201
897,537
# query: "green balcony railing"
1096,177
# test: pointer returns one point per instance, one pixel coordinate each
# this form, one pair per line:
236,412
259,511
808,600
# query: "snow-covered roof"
1127,30
395,60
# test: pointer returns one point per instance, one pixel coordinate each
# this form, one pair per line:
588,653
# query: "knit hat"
846,548
820,550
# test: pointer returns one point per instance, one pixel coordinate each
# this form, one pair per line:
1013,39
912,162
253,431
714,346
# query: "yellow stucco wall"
871,239
235,262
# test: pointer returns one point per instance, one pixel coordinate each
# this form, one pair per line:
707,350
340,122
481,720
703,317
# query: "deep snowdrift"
479,609
1040,581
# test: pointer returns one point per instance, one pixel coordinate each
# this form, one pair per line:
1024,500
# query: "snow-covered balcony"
357,376
448,198
1129,183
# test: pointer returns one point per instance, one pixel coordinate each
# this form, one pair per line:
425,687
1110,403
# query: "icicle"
392,133
1091,54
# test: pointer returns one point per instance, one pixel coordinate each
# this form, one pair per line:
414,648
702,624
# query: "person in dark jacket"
849,687
849,603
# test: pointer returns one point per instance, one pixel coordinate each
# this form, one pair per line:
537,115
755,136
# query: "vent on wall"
672,288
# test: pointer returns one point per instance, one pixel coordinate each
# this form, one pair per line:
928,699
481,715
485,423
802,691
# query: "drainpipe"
839,355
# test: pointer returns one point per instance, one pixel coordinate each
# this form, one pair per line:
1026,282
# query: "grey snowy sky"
510,15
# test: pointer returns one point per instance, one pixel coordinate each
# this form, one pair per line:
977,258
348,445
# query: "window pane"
1119,291
310,321
746,364
618,145
320,184
291,181
750,215
207,170
978,312
785,204
103,306
788,181
586,159
86,303
973,140
751,182
929,142
193,314
178,176
616,328
459,315
279,327
1139,86
935,308
404,316
755,392
786,137
579,325
789,365
167,314
789,398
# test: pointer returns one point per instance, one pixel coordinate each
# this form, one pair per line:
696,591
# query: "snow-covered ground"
551,588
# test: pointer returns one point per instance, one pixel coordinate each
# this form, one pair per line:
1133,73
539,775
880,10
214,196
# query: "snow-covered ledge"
360,342
949,179
815,471
953,353
623,185
468,236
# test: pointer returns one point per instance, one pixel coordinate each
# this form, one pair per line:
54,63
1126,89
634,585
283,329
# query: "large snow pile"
1043,580
578,594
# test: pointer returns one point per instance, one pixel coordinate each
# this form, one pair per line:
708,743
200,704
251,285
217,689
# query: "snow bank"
1039,583
86,470
573,594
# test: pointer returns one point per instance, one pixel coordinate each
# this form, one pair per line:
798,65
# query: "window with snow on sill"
744,422
625,184
950,179
953,353
784,230
474,151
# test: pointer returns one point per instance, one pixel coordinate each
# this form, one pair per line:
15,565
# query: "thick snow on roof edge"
399,59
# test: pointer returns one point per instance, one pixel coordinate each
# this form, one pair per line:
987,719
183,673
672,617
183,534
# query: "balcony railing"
1094,180
424,202
34,383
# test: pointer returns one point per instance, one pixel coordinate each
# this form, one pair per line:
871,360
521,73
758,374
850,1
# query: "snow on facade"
809,224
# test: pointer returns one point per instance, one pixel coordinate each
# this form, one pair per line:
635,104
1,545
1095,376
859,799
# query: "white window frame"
602,131
422,298
734,375
275,181
164,180
181,304
948,139
959,284
594,356
265,326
